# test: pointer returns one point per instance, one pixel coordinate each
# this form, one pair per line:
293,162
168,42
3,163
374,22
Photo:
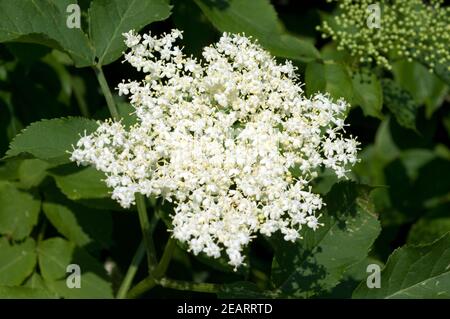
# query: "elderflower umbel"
220,139
413,29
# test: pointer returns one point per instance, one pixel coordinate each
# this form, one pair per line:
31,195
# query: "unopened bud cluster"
410,29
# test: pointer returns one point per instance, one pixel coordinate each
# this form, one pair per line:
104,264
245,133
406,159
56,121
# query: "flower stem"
126,283
190,286
146,232
107,92
160,270
165,259
142,287
150,282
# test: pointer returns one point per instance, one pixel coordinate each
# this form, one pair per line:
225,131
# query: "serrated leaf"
257,18
368,93
414,272
329,78
110,18
315,264
19,211
17,261
51,140
80,183
44,22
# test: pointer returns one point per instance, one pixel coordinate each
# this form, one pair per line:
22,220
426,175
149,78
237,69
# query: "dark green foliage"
394,210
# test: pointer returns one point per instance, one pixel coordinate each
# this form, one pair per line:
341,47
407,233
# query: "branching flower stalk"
231,140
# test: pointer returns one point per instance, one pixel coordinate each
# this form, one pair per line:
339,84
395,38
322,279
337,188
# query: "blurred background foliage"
52,215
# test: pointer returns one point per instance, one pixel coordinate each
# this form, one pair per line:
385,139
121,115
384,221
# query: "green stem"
190,286
107,92
42,230
160,270
150,282
142,287
126,283
146,232
165,259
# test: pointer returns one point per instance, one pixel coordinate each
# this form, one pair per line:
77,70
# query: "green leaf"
414,159
19,211
55,254
35,282
329,78
385,147
368,93
330,52
81,225
51,140
257,18
315,264
77,183
352,277
110,18
44,22
188,17
127,113
415,272
24,293
17,262
92,287
27,53
424,86
442,71
430,227
315,78
32,172
400,103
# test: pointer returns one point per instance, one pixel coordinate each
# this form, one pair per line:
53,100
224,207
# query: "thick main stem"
142,287
160,270
146,232
150,282
107,93
189,286
165,259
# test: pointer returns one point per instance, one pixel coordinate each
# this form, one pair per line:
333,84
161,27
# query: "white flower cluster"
221,139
